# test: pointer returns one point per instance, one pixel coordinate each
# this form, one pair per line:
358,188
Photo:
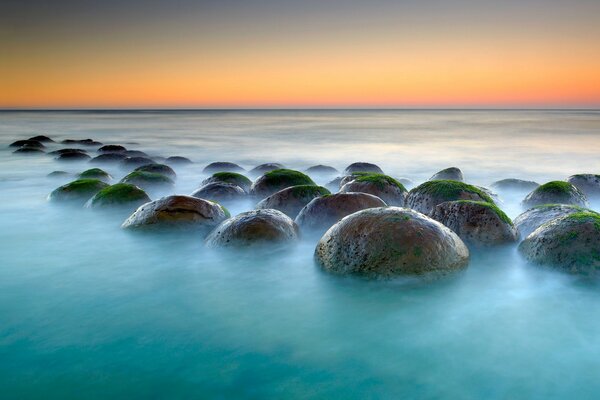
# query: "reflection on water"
88,310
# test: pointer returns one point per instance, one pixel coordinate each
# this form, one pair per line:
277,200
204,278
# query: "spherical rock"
291,200
135,153
452,174
390,241
335,184
570,243
41,139
29,143
221,192
135,162
112,148
73,156
537,216
515,185
476,222
148,180
178,160
429,194
108,158
555,192
589,184
185,212
68,150
322,212
264,168
278,179
158,169
222,166
229,177
28,150
84,142
58,174
362,167
95,173
385,187
78,191
258,227
321,170
121,195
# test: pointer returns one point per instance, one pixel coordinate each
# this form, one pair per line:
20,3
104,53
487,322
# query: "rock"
85,142
516,185
555,192
589,184
112,148
476,222
135,162
388,242
276,180
334,185
73,156
41,139
148,180
158,169
135,153
68,150
29,143
385,187
570,243
95,173
264,168
321,170
120,195
221,192
322,212
362,167
222,167
293,199
181,212
535,217
29,150
429,194
448,174
229,177
407,183
258,227
178,160
108,158
58,174
78,191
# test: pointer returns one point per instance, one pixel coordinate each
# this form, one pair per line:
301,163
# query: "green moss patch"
380,180
145,177
94,173
556,188
78,189
288,177
490,206
120,193
585,217
308,191
232,177
451,190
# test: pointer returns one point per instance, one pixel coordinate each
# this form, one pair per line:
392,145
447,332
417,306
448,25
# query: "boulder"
112,148
321,170
73,156
177,160
28,150
58,174
385,187
84,142
555,192
589,184
229,177
78,191
135,162
291,200
264,168
108,158
67,150
120,195
41,139
148,180
451,174
362,167
221,192
429,194
29,143
276,180
515,185
537,216
158,169
95,173
222,166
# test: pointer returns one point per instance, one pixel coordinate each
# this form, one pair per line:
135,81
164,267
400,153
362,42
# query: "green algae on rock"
291,200
276,180
78,191
429,194
555,192
119,195
230,177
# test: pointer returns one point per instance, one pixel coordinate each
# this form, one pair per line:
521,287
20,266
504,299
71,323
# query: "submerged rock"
476,222
182,212
264,168
78,191
85,142
29,150
29,143
278,179
429,194
555,192
229,177
321,170
570,243
390,241
589,184
148,180
258,227
41,139
448,174
135,153
385,187
222,166
516,185
158,169
178,160
68,150
95,173
220,191
322,212
335,184
112,148
291,200
58,174
362,167
108,158
73,156
135,162
535,217
121,195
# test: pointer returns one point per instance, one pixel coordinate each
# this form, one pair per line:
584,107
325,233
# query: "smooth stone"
220,192
135,162
589,184
321,170
222,166
555,192
429,194
135,153
68,150
334,185
58,174
119,195
276,180
229,177
385,187
148,180
85,142
158,169
78,191
264,168
41,139
108,158
29,143
112,148
73,156
95,173
177,160
362,167
516,185
537,216
293,199
451,174
29,150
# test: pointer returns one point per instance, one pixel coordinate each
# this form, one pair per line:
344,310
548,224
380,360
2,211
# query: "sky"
302,53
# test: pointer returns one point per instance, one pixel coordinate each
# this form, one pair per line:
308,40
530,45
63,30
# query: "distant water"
89,311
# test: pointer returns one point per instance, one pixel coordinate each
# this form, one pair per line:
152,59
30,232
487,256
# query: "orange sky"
235,64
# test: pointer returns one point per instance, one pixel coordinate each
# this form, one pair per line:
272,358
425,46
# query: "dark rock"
385,187
135,162
120,195
448,174
589,184
112,148
222,167
177,160
516,185
95,173
108,158
42,139
148,180
277,180
29,143
78,191
264,168
293,199
230,177
158,169
220,191
73,156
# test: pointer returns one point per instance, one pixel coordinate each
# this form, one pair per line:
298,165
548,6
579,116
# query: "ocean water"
90,311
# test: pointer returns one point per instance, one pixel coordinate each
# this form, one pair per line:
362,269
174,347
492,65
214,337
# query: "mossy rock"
383,186
67,150
425,197
264,168
73,156
108,158
119,195
589,184
362,167
229,177
58,174
555,192
277,180
321,170
158,169
29,143
134,162
222,166
95,173
220,192
78,191
112,148
148,180
291,200
451,174
537,216
515,185
570,243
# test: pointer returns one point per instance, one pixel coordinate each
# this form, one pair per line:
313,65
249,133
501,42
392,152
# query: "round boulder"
388,242
321,170
28,150
322,212
112,148
78,191
42,139
148,180
515,185
589,184
276,180
221,192
182,212
291,200
222,166
555,192
158,169
29,143
570,243
385,187
429,194
258,227
178,160
537,216
85,142
451,174
122,195
68,150
134,162
477,222
362,167
229,177
95,173
264,168
108,158
73,156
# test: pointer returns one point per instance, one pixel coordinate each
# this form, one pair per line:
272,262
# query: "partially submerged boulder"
222,166
362,167
388,242
178,160
322,212
41,139
258,227
158,169
515,185
264,168
179,212
29,143
112,148
537,216
28,150
385,187
78,191
589,184
321,170
477,222
84,142
570,243
108,158
555,192
220,192
129,163
452,174
67,150
429,194
58,174
95,173
229,177
278,179
120,195
291,200
148,180
73,156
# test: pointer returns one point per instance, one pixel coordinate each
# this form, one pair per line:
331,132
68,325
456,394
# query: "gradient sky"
303,53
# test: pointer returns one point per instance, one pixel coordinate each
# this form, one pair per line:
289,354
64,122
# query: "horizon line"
108,109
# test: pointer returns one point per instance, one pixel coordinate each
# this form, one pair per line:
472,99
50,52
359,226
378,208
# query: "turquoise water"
89,311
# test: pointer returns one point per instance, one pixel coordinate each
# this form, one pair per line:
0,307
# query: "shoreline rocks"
448,174
537,216
78,191
276,180
429,194
290,201
119,195
385,187
555,192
